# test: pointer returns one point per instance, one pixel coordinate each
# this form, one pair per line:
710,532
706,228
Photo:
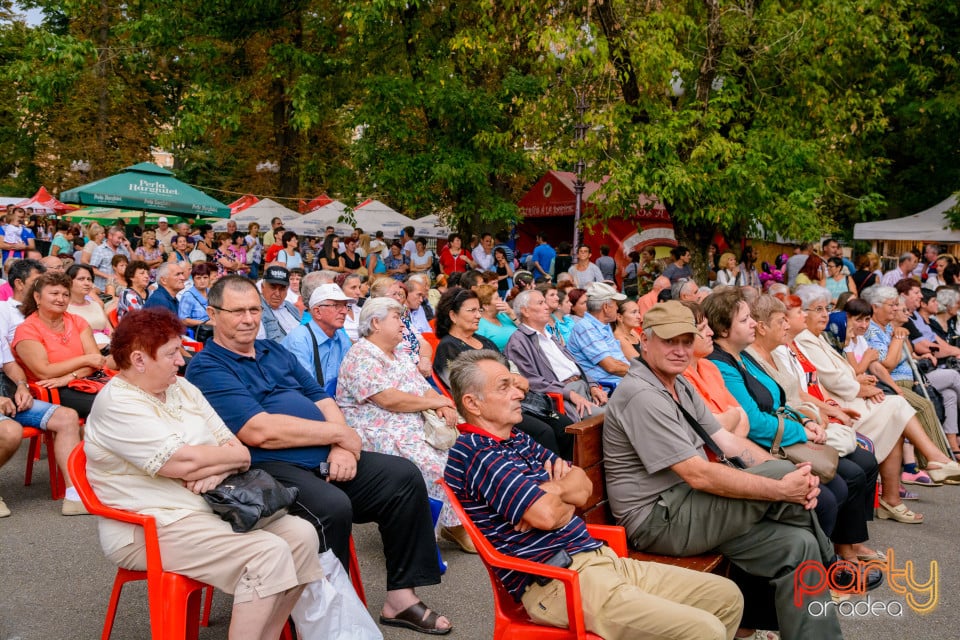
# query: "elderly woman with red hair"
153,445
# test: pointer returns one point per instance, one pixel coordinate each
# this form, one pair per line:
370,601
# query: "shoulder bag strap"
316,357
775,446
734,461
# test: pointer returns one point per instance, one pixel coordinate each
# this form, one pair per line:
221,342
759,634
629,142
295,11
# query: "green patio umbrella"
147,187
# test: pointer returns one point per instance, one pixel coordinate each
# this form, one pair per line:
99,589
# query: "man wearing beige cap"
672,500
591,341
321,344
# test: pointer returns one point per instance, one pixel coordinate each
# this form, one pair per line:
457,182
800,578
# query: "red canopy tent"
242,203
320,201
43,202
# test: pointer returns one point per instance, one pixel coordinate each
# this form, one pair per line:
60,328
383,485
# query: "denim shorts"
37,416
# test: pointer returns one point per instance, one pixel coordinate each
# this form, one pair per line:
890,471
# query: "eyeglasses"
820,309
254,311
336,305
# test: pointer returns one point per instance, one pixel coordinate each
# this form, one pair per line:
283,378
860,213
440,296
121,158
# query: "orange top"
646,302
708,381
59,346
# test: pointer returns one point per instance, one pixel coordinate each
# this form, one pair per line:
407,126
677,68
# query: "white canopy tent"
316,222
261,213
430,227
930,225
373,216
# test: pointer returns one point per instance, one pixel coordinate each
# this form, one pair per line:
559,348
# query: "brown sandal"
415,617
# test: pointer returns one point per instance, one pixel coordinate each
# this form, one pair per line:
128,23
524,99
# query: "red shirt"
450,263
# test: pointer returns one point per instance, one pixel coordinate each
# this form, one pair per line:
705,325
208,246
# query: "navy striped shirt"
496,481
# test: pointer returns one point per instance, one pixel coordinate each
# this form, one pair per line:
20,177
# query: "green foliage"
797,117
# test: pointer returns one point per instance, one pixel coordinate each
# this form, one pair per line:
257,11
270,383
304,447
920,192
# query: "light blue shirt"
590,342
331,350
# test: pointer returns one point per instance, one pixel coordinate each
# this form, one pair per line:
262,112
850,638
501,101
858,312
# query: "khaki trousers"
633,600
267,561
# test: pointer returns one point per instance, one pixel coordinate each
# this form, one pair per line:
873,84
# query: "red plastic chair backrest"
504,605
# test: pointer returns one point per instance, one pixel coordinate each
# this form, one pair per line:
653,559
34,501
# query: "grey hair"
314,279
906,255
380,286
677,289
164,269
522,301
778,288
811,293
594,305
351,276
234,283
947,297
879,294
466,377
376,309
421,279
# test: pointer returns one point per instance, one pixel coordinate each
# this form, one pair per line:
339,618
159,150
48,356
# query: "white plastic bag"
331,610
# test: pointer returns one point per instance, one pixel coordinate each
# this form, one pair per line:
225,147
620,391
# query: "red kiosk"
549,207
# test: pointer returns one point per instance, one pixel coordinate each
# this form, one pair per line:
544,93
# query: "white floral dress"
366,371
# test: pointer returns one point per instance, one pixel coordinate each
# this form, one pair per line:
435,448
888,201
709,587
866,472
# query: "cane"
941,438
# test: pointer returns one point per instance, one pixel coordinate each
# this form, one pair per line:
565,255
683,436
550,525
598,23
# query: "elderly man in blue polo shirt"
321,344
591,341
298,435
170,280
522,498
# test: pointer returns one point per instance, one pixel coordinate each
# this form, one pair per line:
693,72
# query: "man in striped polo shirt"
522,498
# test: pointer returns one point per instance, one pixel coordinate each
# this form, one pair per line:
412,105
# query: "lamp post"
580,130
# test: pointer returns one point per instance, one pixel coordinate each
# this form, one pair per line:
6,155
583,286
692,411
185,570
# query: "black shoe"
846,579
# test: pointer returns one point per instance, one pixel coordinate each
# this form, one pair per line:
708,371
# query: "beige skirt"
882,422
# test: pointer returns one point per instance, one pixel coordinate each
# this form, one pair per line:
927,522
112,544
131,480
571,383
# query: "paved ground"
55,581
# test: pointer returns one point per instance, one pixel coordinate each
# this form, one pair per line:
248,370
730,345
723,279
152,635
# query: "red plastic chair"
38,438
510,619
113,317
431,339
174,599
192,345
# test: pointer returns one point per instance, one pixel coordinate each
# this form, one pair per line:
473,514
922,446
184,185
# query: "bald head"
661,283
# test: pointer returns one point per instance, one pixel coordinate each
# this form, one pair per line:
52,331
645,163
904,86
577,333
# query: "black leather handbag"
250,500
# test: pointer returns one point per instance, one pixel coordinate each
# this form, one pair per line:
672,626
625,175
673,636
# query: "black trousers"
859,470
388,490
79,401
551,434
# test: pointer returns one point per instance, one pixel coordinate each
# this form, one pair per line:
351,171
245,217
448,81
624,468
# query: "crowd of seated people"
354,352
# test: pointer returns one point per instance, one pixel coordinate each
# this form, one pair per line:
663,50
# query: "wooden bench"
588,455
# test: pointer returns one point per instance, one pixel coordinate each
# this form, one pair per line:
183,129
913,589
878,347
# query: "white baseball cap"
328,291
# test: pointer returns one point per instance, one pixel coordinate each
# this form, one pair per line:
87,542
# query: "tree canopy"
796,116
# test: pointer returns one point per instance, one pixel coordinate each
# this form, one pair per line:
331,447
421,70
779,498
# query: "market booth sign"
147,187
